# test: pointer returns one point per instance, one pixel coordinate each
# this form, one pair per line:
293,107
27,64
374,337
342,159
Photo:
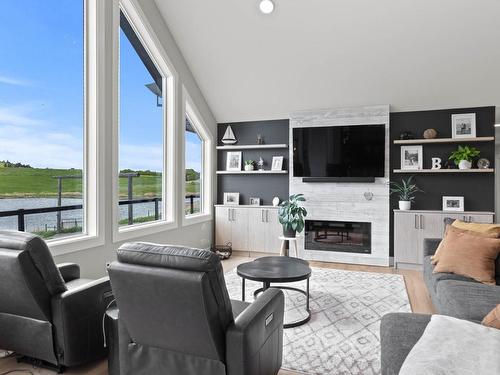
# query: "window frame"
190,110
155,50
93,138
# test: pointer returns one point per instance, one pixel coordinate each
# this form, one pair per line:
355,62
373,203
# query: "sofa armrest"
399,332
430,246
77,318
255,340
69,271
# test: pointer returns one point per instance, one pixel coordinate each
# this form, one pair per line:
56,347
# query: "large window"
42,117
194,169
141,124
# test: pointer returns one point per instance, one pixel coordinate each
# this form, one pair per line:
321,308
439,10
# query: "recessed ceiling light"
266,6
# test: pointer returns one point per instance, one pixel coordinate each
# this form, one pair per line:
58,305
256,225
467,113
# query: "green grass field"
36,182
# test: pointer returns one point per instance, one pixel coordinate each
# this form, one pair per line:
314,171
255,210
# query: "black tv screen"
339,151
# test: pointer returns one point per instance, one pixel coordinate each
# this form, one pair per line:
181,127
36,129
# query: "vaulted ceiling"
411,54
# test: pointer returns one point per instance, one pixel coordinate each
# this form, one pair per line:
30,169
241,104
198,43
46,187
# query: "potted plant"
248,165
406,191
291,215
463,156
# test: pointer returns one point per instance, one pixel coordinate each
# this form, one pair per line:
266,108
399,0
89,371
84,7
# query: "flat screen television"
339,151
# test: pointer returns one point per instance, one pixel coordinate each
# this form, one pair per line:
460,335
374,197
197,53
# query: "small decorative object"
233,161
277,164
223,251
249,165
406,135
232,199
411,157
260,164
453,204
463,125
430,133
229,138
463,156
436,163
368,195
260,139
254,201
276,201
406,191
483,163
291,215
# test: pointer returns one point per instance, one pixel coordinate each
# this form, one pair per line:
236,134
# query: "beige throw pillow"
465,254
489,230
493,318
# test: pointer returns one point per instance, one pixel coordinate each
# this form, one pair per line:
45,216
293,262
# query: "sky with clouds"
41,92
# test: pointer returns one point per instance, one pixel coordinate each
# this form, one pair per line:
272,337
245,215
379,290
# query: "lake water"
39,222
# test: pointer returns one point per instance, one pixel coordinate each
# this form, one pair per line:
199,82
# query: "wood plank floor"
417,292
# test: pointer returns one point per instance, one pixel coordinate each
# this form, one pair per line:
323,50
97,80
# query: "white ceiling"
411,54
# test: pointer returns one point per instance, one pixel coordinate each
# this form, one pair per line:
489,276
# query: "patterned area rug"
342,336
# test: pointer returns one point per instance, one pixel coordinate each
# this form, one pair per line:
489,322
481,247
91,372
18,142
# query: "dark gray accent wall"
478,189
265,187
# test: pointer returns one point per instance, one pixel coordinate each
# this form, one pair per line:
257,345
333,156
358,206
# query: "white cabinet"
248,228
412,227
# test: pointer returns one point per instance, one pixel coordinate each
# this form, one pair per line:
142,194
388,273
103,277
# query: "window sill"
196,219
72,244
140,230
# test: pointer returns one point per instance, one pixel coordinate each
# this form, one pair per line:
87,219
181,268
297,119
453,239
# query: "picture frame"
454,204
277,163
231,199
254,201
233,161
463,125
412,158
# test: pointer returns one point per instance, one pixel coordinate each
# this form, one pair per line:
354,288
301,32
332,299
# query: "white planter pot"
405,205
464,164
249,167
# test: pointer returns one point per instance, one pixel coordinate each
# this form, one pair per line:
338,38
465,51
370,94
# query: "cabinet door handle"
234,214
267,216
416,221
421,221
228,214
470,219
262,216
464,218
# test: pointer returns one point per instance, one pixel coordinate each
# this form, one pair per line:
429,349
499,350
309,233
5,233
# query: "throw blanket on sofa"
451,346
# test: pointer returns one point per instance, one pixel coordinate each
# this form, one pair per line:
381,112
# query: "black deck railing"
22,212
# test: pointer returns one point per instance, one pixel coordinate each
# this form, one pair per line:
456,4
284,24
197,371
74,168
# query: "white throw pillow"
451,346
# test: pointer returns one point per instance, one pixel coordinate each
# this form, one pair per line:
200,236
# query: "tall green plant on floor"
291,215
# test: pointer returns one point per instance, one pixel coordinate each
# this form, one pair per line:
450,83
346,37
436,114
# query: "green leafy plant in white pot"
463,156
406,190
291,215
249,165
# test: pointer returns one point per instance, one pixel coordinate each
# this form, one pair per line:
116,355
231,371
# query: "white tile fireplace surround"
333,201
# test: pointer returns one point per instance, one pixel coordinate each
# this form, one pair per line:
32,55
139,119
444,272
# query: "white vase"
464,164
248,167
405,205
276,201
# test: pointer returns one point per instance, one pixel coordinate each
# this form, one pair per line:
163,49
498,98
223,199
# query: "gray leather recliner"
175,317
47,312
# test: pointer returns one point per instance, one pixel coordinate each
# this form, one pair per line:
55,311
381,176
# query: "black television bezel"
358,179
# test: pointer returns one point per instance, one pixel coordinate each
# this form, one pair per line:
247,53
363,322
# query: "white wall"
93,260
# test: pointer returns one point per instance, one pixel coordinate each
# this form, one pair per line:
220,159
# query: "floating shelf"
252,172
488,170
252,147
442,140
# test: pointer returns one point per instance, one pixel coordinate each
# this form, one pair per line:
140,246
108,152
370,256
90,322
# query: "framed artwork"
233,161
453,204
232,199
463,125
254,201
412,157
277,164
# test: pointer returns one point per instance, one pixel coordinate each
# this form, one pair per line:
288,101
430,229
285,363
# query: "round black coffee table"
277,269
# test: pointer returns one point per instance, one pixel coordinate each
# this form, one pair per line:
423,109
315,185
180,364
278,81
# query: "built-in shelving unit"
486,170
252,147
442,140
252,172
